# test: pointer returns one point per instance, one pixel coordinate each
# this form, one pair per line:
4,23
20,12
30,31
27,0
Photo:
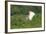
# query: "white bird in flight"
30,16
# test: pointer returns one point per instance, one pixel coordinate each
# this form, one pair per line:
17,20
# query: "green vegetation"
19,13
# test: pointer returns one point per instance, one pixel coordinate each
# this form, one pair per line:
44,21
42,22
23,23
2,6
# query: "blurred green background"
19,13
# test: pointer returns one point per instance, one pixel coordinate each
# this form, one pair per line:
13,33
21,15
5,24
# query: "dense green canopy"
19,9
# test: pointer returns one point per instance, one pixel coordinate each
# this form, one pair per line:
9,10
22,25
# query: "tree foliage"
21,9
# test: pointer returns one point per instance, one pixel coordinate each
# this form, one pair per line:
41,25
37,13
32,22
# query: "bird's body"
31,14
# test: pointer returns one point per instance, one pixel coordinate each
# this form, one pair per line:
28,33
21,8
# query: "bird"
30,16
